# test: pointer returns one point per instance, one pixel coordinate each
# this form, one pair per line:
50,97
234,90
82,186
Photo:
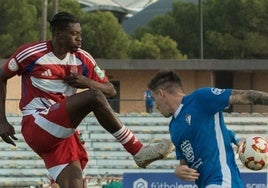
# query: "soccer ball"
253,153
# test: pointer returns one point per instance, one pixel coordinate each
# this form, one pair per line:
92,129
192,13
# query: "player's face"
161,102
71,37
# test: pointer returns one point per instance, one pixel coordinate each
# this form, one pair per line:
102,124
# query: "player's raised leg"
79,105
71,176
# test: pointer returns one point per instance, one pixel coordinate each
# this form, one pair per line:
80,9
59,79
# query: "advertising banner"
169,180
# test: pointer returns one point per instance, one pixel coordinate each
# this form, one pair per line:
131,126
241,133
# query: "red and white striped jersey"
42,73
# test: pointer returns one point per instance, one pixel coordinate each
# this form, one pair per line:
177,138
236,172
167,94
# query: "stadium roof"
131,13
126,7
147,14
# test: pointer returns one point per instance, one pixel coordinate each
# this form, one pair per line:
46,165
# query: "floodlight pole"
201,29
44,20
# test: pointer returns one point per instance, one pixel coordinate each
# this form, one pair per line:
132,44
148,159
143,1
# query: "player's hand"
7,133
77,80
239,144
185,173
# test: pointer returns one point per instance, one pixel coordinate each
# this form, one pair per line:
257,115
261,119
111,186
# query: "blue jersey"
202,139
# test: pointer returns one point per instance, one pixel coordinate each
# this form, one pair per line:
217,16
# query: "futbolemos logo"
140,183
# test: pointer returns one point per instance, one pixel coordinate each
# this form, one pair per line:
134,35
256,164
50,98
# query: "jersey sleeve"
179,155
233,137
213,99
20,60
90,69
11,67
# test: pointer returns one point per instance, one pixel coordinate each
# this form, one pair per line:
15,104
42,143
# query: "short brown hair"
164,78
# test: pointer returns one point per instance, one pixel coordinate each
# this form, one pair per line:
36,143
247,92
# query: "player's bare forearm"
3,82
249,97
82,82
183,172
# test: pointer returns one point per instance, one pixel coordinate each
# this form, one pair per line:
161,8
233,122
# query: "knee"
96,97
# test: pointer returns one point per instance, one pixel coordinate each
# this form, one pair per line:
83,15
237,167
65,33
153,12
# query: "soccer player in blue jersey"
197,129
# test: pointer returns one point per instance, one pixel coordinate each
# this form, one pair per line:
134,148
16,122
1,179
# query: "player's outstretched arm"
248,97
7,131
80,81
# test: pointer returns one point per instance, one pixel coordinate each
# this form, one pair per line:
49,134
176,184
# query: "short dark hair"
165,79
61,20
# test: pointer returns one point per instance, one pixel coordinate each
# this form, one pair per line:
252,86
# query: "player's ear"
160,92
58,34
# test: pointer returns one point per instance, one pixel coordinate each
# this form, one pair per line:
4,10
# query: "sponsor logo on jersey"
187,150
217,91
99,72
47,73
12,65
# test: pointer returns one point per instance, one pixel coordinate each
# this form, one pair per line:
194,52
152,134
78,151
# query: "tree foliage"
232,29
181,25
103,36
21,23
16,23
240,27
154,47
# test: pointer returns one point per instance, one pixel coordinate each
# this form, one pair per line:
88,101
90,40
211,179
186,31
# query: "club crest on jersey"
99,72
12,65
217,91
188,119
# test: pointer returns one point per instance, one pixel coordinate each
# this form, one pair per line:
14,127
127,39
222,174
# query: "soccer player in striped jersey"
197,129
51,72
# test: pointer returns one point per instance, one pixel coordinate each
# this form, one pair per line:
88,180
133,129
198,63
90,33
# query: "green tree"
186,33
17,25
103,36
232,29
236,29
154,47
181,25
21,23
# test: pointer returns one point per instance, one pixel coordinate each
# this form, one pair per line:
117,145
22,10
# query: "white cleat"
153,152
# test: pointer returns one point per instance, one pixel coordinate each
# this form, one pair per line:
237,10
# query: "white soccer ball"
253,153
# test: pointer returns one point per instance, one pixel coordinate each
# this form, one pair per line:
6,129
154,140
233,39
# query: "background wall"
133,83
